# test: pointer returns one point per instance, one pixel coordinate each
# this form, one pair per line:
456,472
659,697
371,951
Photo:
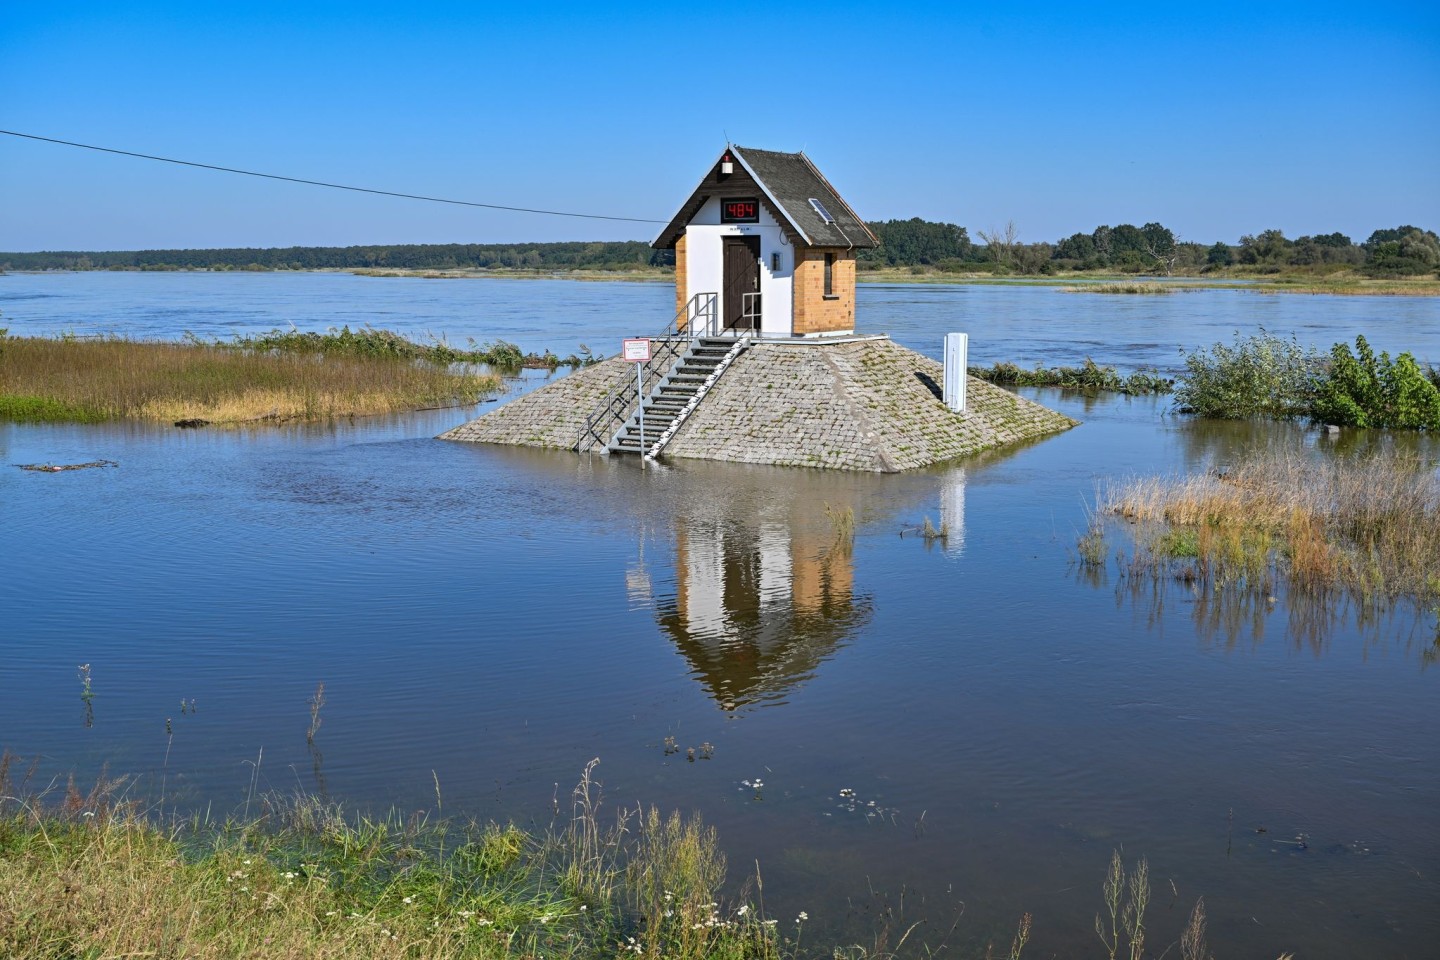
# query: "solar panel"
820,209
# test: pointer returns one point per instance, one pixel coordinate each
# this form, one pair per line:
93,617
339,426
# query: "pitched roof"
789,182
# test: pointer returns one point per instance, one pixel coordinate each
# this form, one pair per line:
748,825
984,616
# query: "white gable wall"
705,256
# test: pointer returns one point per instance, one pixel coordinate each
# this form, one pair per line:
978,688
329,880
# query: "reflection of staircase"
676,394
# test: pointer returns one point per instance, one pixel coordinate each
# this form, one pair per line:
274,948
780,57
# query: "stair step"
664,405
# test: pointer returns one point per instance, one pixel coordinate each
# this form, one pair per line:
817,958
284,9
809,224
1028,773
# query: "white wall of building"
705,264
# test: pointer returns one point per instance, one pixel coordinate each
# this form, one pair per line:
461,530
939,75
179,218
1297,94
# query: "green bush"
1363,390
1257,376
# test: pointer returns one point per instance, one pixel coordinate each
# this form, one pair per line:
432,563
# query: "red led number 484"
745,210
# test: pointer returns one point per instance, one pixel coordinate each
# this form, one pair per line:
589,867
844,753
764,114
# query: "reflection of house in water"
760,601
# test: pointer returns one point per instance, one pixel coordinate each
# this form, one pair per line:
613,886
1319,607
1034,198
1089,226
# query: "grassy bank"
88,875
1366,528
91,381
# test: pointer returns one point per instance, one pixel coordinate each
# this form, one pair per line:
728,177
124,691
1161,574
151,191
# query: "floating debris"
871,810
58,467
192,422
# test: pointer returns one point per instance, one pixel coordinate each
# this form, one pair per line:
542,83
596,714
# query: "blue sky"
1216,120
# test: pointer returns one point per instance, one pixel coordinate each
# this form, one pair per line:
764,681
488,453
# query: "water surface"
494,618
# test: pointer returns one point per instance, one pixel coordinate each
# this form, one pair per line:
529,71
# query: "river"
491,619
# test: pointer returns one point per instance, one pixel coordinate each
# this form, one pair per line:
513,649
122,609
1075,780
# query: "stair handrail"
700,317
741,344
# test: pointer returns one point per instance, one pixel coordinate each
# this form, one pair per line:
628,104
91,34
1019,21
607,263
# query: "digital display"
740,210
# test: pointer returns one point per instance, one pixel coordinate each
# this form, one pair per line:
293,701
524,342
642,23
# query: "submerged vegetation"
1132,288
1365,528
277,376
1265,376
1089,376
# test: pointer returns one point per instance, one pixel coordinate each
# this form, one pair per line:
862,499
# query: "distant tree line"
918,244
600,255
1152,248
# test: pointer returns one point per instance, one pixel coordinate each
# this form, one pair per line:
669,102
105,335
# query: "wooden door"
741,276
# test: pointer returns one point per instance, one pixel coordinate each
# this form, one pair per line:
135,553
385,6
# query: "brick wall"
814,312
681,276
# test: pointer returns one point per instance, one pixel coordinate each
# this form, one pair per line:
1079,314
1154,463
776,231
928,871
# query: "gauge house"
770,235
762,360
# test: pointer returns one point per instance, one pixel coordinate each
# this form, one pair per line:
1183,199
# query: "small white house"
768,233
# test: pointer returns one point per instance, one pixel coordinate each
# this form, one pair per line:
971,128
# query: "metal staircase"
677,393
685,361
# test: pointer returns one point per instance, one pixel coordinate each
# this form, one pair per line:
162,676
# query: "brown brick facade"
815,312
681,276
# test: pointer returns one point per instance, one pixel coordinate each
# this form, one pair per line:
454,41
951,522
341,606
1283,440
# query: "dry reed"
1369,526
66,379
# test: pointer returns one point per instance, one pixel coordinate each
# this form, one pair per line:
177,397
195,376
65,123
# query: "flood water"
493,618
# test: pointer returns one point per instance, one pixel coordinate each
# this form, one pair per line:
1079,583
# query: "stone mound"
866,404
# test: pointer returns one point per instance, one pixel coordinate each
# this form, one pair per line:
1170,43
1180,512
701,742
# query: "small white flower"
771,923
88,813
803,917
743,910
583,908
482,922
408,900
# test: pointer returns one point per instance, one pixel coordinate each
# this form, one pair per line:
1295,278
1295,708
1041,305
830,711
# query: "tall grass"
68,379
370,342
92,875
89,875
1368,526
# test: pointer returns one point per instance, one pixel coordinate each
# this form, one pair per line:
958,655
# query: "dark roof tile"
790,181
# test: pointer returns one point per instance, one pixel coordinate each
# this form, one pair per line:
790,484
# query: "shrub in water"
1257,376
1363,390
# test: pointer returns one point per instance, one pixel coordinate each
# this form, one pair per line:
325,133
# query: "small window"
829,274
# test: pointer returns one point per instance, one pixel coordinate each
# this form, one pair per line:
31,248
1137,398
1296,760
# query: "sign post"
637,351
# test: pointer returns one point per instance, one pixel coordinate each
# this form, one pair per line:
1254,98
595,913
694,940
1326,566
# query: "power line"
322,183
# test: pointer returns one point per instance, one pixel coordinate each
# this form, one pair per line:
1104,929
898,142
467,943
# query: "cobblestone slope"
863,405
